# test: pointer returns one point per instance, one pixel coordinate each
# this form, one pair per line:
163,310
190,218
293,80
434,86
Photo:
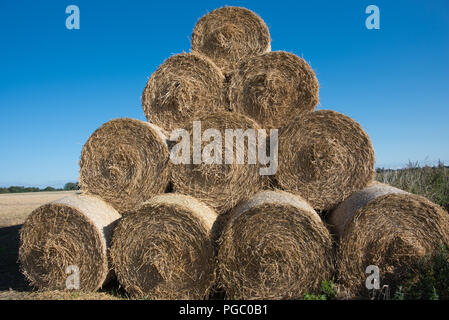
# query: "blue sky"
58,85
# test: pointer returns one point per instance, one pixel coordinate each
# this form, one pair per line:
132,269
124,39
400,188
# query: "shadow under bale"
11,277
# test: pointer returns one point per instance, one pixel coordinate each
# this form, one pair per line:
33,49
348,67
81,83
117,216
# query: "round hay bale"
390,229
230,34
221,186
125,162
325,156
171,254
58,237
183,85
345,211
275,246
273,88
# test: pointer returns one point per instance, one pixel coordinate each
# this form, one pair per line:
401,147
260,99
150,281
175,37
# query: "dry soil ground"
14,209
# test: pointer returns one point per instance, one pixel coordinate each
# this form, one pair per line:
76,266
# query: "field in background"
15,207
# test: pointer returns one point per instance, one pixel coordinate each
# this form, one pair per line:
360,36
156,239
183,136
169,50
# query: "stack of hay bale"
180,231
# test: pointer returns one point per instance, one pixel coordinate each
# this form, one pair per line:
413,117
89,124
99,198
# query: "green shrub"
71,186
311,296
431,281
327,292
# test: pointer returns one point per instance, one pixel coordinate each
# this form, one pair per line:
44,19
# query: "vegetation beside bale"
431,182
328,291
430,282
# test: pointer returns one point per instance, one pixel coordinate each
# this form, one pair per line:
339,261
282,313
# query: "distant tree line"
19,189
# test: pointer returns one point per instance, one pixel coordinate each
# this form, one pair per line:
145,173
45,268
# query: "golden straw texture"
274,88
275,246
229,34
183,85
125,162
220,186
324,156
393,230
170,254
72,231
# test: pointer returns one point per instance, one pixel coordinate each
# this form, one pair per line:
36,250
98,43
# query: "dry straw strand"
183,85
390,229
170,254
72,231
125,162
275,246
274,88
229,34
220,186
324,156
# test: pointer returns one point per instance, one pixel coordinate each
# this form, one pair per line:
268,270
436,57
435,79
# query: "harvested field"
15,207
54,295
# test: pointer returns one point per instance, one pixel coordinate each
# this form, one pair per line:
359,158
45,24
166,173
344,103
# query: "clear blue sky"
58,85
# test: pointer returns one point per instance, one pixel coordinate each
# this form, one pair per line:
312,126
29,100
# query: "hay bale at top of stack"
229,34
220,186
324,156
183,85
275,246
125,162
73,232
274,88
171,254
390,229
